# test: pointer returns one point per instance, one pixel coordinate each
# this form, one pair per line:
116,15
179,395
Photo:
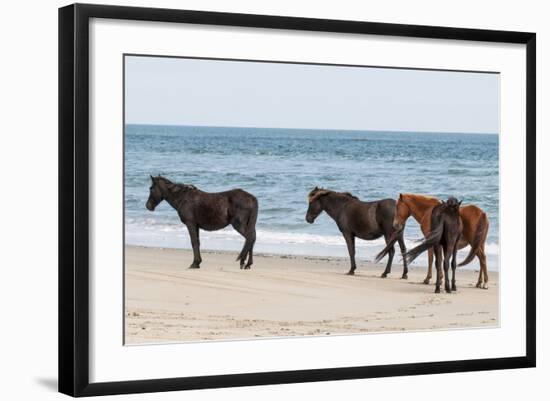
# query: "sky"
180,91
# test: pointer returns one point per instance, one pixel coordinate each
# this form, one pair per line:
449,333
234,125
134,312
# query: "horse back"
370,220
215,210
385,210
241,199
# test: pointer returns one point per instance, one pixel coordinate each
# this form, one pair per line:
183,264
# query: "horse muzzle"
310,219
150,206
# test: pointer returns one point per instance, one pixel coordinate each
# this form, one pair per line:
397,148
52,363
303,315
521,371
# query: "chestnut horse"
474,231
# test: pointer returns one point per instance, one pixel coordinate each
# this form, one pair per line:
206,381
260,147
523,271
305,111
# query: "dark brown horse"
354,218
209,211
446,229
474,233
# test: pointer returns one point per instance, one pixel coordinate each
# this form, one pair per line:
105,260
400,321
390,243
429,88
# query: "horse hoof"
437,291
194,266
485,286
426,281
404,277
351,273
478,285
453,289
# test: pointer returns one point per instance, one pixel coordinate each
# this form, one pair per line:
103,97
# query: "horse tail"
391,242
479,239
431,240
250,226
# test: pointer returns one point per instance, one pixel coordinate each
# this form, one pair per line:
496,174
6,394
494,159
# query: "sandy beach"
288,296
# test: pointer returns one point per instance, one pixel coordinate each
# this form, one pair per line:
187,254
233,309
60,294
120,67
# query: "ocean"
281,166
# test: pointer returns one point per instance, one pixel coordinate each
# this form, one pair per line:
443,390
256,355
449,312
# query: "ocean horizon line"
312,129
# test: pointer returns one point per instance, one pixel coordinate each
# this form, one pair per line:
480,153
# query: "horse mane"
421,197
318,192
175,187
349,194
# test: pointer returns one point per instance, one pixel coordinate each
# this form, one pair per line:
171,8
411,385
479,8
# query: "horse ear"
318,194
152,178
400,197
459,203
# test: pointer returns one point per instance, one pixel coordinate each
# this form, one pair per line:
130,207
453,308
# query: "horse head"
453,203
315,207
402,213
155,193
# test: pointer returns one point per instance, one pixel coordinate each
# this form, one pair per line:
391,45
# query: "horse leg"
403,252
350,242
446,258
391,253
482,270
438,256
425,225
251,233
453,267
251,238
239,226
195,243
430,264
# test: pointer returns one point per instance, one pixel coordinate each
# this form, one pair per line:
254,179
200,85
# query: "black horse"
209,211
354,218
446,229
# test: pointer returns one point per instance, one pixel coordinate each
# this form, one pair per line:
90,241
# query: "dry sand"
288,296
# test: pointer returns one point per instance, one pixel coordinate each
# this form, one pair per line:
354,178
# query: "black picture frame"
74,199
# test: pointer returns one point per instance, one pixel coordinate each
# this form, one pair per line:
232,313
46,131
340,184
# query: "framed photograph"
251,199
